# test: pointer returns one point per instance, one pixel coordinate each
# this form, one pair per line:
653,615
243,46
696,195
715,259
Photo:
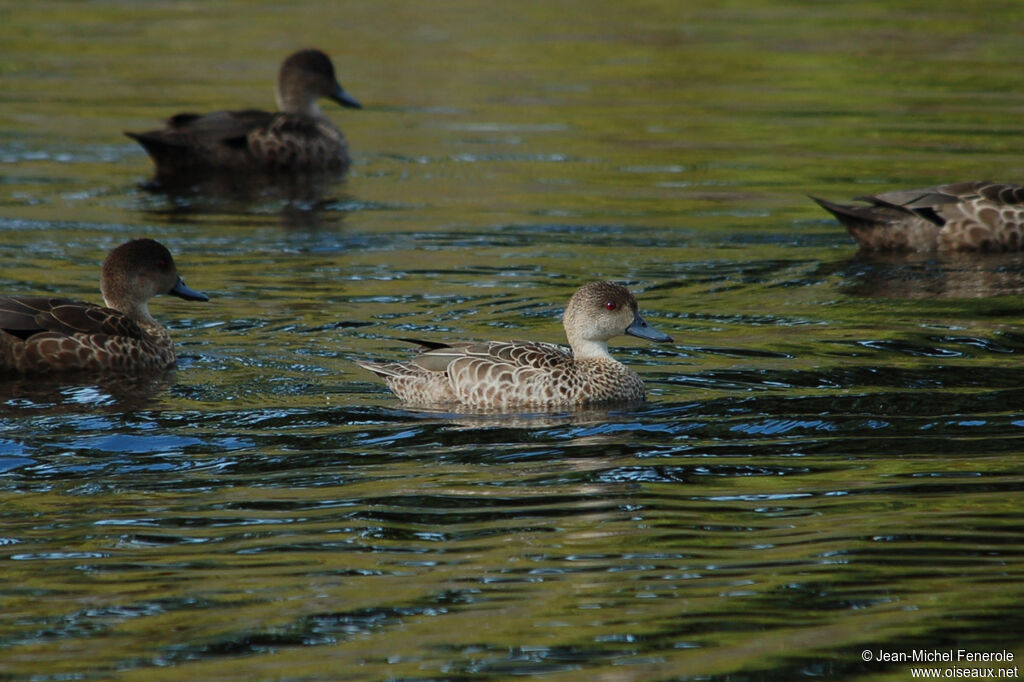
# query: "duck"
42,335
297,138
965,216
531,374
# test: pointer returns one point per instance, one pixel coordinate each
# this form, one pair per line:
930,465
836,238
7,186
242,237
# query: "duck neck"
589,349
136,311
297,102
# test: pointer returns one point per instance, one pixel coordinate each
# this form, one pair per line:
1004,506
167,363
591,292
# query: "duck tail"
168,153
381,369
852,217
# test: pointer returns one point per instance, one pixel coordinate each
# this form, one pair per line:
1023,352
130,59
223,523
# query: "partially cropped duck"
515,374
43,335
298,138
966,216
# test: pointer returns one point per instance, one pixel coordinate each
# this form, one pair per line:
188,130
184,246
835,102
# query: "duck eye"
610,305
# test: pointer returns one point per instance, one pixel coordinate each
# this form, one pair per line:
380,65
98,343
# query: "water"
831,456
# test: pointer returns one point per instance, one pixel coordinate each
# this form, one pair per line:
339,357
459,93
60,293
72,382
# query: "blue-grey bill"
345,99
641,329
184,292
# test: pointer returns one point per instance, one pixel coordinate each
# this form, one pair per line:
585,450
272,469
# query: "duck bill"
641,329
182,291
345,99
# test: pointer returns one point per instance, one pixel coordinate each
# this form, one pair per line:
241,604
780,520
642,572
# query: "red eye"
610,305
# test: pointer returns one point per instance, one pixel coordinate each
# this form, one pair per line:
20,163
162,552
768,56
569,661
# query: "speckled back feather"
966,216
41,335
512,374
299,138
504,374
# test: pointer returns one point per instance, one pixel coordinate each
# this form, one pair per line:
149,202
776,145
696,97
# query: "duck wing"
203,140
223,127
507,373
514,355
436,356
248,139
934,204
955,193
24,316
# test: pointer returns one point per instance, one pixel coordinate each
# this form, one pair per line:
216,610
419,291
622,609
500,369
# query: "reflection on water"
82,394
957,275
830,457
300,200
461,417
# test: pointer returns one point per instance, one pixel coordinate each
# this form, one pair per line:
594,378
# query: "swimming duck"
298,138
511,374
40,335
966,216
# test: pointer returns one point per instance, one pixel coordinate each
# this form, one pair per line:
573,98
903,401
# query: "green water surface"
828,462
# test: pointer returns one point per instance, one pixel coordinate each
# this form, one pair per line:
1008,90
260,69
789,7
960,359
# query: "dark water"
831,457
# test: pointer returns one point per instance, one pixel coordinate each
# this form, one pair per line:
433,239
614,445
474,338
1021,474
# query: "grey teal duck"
298,138
966,216
42,335
516,374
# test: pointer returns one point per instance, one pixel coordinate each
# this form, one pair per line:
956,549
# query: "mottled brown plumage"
298,138
514,374
40,335
966,216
